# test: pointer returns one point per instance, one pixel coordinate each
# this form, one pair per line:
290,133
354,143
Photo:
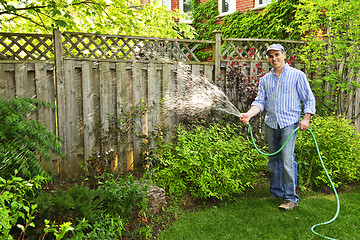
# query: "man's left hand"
305,122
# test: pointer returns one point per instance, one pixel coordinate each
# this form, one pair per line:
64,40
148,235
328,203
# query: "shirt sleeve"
306,94
260,100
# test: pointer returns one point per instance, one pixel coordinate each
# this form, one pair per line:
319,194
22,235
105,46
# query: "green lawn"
259,218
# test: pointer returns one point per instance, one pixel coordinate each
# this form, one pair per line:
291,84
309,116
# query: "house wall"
175,4
242,5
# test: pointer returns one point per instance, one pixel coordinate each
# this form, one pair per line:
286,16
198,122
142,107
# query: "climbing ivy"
205,18
276,21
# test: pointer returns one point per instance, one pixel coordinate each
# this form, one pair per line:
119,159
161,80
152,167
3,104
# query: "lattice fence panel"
100,46
255,49
15,46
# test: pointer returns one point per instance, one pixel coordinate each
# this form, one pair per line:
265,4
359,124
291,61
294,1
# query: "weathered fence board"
125,95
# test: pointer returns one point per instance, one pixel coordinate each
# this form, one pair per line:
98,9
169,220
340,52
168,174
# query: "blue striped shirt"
281,97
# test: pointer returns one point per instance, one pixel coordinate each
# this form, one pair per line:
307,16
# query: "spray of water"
198,95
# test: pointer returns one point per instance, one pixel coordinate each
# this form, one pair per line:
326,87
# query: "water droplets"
196,96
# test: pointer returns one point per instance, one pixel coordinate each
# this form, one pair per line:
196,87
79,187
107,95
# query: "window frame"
181,8
232,7
263,5
168,2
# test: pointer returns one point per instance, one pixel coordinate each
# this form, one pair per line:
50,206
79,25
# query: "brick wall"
242,5
175,4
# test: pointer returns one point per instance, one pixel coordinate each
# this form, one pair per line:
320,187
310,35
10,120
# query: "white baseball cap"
275,47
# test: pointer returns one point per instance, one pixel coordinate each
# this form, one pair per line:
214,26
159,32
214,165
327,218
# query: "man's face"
276,58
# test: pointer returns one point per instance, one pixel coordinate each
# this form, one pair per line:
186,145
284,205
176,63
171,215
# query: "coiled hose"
322,163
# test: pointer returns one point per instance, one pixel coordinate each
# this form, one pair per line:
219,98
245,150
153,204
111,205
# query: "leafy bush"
22,140
209,162
16,211
99,213
74,203
339,144
116,197
109,227
276,21
122,195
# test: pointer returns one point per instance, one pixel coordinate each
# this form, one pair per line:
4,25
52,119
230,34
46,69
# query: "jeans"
282,166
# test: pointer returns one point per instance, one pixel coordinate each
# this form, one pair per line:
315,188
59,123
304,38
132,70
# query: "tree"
331,31
122,17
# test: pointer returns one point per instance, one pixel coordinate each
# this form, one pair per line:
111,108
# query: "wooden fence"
93,76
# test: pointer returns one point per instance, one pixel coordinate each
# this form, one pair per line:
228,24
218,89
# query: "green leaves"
119,17
275,22
22,138
209,162
339,143
331,53
14,205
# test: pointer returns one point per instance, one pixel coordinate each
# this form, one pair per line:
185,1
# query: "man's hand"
245,117
305,122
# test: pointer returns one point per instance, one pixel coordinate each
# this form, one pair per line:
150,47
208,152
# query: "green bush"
108,227
23,140
75,203
99,213
16,211
117,197
216,161
339,144
121,196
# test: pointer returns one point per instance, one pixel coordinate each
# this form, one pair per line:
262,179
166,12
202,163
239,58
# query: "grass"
258,217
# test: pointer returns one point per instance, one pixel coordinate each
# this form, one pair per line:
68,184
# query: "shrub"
339,144
99,213
108,227
74,203
117,197
121,196
209,162
16,211
22,140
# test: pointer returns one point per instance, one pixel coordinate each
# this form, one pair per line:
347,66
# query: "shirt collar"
286,67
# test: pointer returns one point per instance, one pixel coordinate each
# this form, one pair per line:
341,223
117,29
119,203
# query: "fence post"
217,53
60,93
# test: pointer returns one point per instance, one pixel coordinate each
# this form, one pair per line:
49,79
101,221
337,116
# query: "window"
166,3
262,3
185,6
227,6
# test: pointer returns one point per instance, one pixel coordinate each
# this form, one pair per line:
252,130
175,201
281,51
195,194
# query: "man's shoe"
287,205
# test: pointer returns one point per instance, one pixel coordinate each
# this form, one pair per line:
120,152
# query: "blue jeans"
282,166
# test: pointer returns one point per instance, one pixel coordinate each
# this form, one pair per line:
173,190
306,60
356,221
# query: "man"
280,92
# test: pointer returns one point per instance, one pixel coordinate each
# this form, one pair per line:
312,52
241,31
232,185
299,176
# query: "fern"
23,140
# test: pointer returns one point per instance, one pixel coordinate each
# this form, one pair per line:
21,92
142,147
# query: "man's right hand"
245,117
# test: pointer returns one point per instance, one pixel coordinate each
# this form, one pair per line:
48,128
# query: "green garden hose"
322,163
